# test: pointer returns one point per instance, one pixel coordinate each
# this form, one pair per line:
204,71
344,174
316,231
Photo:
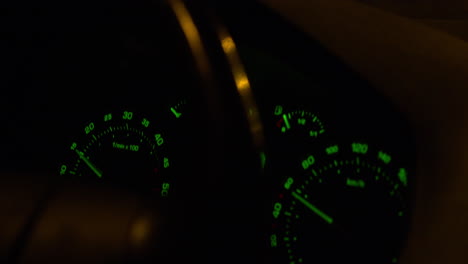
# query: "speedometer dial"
122,148
348,204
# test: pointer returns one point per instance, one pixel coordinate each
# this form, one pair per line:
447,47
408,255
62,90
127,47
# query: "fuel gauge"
178,109
299,122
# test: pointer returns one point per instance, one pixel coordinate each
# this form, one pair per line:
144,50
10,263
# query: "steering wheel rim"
236,138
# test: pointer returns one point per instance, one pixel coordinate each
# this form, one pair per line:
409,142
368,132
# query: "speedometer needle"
286,122
90,165
314,209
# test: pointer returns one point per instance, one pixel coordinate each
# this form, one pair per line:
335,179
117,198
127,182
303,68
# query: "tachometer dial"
121,148
349,205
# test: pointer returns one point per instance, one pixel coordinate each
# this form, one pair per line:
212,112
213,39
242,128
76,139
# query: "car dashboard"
111,95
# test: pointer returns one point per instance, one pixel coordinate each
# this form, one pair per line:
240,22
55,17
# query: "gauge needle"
286,122
314,209
90,165
177,115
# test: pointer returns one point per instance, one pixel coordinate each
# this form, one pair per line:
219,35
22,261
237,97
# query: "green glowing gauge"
348,204
121,148
298,122
178,109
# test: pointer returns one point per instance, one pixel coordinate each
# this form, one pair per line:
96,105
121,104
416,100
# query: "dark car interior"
270,131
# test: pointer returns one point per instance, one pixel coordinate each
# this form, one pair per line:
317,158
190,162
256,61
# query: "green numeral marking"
159,139
277,210
145,122
308,162
73,146
360,148
288,183
127,115
63,169
332,150
278,110
403,176
165,189
313,133
107,117
89,128
273,241
384,157
355,183
166,163
134,147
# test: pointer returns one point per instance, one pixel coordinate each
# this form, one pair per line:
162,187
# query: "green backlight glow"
384,157
273,241
165,189
277,209
89,164
73,146
314,209
176,114
145,122
263,159
89,128
332,150
127,115
355,183
63,169
159,139
288,183
402,175
360,148
278,110
286,121
117,145
107,117
308,162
